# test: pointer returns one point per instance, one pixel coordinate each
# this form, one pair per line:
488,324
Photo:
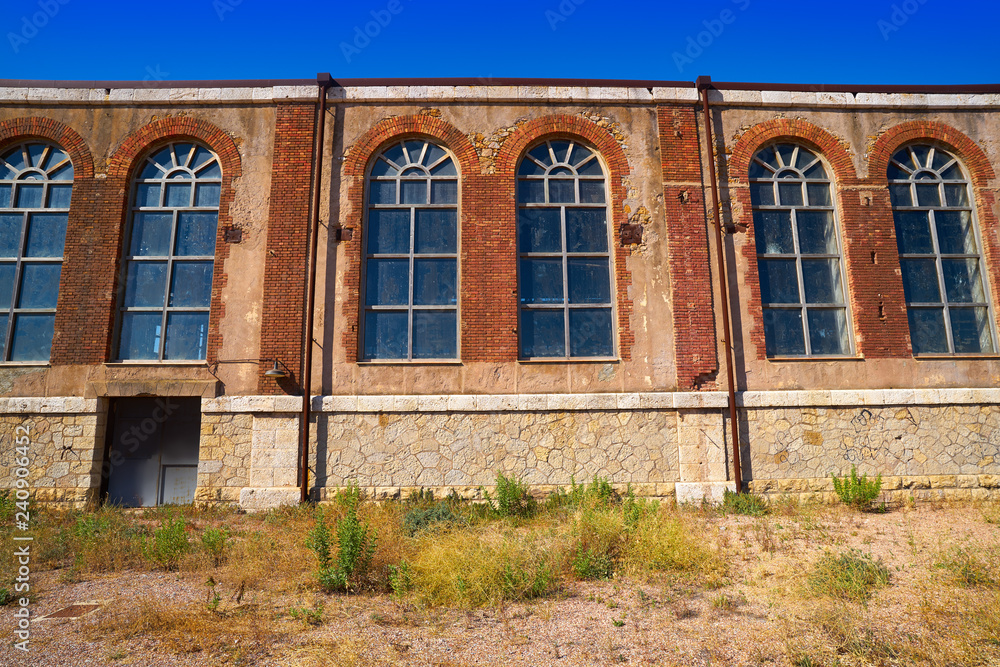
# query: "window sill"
570,360
407,362
827,358
196,362
25,364
954,357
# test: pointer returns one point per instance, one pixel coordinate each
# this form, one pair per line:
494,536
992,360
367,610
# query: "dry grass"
669,541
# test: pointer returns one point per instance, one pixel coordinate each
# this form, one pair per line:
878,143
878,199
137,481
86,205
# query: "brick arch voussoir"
796,131
48,129
967,150
124,159
562,125
399,127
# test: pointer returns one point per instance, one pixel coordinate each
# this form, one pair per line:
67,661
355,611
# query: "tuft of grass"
852,575
512,498
439,515
857,492
8,506
747,504
103,541
168,544
356,545
214,541
970,566
662,541
853,635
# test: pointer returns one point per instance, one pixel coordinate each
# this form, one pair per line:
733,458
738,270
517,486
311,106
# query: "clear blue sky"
865,42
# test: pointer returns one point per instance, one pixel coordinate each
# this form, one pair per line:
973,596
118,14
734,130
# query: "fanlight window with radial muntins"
947,302
798,254
36,184
169,255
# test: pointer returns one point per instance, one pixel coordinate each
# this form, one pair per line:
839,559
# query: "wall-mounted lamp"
275,372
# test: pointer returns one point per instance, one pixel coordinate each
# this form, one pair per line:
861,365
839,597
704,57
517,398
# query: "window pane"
213,170
816,232
790,194
586,230
821,281
971,330
191,284
560,149
591,168
434,335
140,337
543,333
6,287
927,333
196,233
590,332
32,339
39,285
446,168
395,154
3,336
60,195
928,195
413,192
385,335
538,229
589,280
785,152
151,234
382,192
591,192
10,234
561,191
433,154
147,194
388,282
5,194
178,194
819,194
828,331
29,196
962,283
954,232
434,282
956,195
207,194
46,235
145,283
778,281
773,232
383,168
187,336
899,195
920,281
531,192
541,281
783,332
579,154
388,231
435,230
529,168
762,194
201,156
444,192
913,232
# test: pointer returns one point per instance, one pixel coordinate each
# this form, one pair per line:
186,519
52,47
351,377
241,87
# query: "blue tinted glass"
920,281
927,332
32,340
183,153
145,283
434,282
561,191
35,152
385,335
970,330
589,280
191,284
446,168
3,336
435,230
590,332
591,192
444,192
187,336
591,168
560,149
6,287
388,282
954,232
64,173
778,281
178,194
140,336
434,334
899,195
816,232
529,167
39,285
773,232
821,280
29,196
147,194
828,331
762,194
783,333
60,195
395,154
5,195
196,233
790,194
413,192
541,281
207,194
433,154
586,230
151,234
388,231
531,192
538,230
10,235
928,195
819,194
201,156
543,333
382,192
211,171
46,235
913,232
961,280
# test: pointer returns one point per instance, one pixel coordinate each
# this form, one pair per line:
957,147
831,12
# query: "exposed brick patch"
502,282
691,288
17,130
286,263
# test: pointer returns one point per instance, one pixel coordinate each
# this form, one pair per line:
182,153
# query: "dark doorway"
153,456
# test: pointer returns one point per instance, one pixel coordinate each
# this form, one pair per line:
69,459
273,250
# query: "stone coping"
55,405
864,397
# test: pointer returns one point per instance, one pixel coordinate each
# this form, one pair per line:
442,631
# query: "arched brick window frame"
370,144
75,260
975,163
121,168
575,128
834,154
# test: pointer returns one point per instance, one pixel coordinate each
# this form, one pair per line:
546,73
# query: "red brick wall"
286,263
691,289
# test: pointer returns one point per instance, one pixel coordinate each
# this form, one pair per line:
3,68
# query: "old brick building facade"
520,277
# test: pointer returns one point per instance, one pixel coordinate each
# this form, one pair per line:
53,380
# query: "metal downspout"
704,84
323,81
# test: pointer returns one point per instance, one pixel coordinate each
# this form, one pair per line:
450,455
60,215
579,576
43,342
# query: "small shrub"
512,498
858,492
6,596
214,541
852,575
168,545
438,515
421,496
588,565
401,579
661,541
747,504
349,497
308,616
600,534
8,506
355,549
102,541
969,566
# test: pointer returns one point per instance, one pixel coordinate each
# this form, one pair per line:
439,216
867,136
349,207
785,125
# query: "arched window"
563,239
939,252
798,254
411,254
166,283
36,182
